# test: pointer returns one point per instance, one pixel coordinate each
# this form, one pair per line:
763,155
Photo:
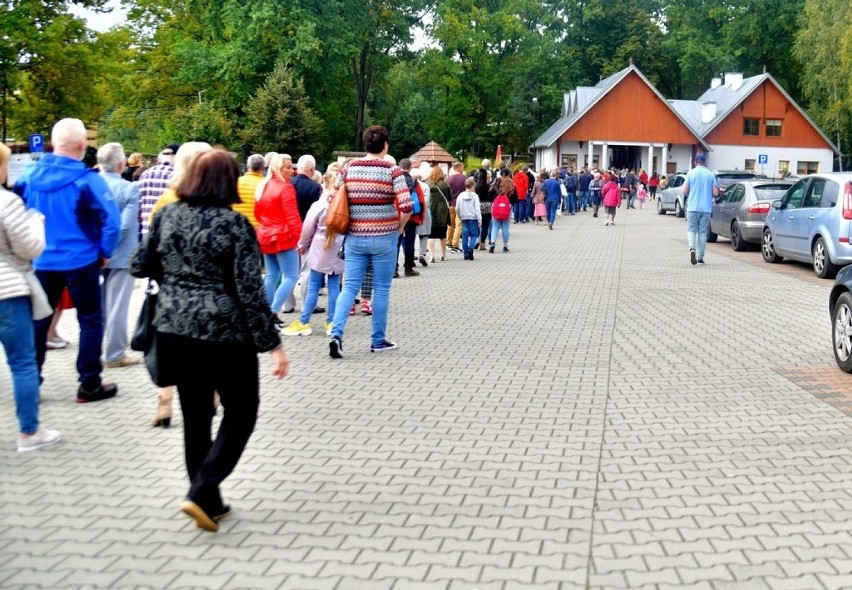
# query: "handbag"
38,298
145,340
337,217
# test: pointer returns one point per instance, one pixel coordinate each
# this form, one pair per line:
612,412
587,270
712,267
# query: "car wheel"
823,266
841,331
712,236
737,241
679,212
660,209
768,248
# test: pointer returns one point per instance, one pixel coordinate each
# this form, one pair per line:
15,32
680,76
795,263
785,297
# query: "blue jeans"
470,235
552,206
697,224
584,199
496,228
84,286
570,203
381,251
283,266
315,279
517,211
17,337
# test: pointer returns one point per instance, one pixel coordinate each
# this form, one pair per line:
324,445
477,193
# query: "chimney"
734,80
708,111
715,83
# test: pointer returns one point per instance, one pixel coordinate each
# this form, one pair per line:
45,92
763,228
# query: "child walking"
322,260
641,194
467,208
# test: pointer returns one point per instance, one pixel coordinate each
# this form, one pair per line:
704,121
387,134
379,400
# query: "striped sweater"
377,194
22,240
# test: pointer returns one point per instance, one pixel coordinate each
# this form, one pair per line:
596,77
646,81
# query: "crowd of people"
215,242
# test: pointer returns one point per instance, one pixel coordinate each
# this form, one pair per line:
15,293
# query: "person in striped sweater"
379,206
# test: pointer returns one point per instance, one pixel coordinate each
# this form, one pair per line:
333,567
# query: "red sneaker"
352,311
366,308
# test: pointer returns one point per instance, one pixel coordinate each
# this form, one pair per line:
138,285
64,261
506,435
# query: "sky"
101,21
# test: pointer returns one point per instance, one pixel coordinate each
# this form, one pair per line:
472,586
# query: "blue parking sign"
36,143
763,159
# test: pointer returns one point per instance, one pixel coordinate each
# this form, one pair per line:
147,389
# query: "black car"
840,307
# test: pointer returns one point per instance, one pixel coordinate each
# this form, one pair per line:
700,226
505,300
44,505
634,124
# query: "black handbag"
145,339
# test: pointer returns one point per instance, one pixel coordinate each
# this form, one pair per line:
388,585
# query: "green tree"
824,51
48,68
280,118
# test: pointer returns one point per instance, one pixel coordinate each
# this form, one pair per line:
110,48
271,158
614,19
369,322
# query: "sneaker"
692,258
335,348
367,308
412,273
383,346
352,310
297,328
40,438
124,361
700,261
606,222
104,391
491,249
396,274
58,344
505,248
422,261
328,329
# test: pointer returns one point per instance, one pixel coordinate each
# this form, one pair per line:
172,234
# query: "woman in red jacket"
278,234
611,199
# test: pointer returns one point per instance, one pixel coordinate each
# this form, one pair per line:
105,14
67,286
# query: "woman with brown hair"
212,319
439,207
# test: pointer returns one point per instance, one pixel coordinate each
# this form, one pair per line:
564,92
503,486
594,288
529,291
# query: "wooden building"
741,123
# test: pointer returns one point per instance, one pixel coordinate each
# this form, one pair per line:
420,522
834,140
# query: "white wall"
681,156
545,158
732,157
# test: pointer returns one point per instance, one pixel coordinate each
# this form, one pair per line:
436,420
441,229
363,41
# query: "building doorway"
626,156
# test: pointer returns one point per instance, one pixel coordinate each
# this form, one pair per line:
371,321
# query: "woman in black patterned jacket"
212,319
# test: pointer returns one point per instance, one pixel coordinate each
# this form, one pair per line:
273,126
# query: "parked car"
672,198
840,310
739,212
812,223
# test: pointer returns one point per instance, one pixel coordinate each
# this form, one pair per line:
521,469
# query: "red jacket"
522,184
277,214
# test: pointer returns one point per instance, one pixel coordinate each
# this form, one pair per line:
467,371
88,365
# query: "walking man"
118,282
701,188
83,225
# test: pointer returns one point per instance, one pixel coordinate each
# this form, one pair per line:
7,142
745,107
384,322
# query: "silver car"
671,197
739,212
812,223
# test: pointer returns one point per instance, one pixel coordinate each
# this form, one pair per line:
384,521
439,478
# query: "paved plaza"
587,411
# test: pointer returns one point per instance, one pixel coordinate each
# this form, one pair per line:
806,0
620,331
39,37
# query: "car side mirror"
776,204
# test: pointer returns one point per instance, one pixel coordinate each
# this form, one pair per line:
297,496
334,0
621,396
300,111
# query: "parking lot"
586,411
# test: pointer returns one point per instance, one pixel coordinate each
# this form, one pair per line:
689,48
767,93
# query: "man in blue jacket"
82,226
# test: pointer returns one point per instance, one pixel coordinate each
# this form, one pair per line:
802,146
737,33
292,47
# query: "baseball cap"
171,148
700,158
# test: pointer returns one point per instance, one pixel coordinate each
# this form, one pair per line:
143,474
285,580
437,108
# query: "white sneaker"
606,222
41,438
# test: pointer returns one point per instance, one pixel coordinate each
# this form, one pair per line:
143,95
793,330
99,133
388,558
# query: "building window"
773,128
749,165
751,126
783,167
807,168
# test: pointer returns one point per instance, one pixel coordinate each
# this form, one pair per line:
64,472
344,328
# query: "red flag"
499,155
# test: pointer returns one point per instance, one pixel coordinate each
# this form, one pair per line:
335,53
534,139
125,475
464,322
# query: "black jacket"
308,192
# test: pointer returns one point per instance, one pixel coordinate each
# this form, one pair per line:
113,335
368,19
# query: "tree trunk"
362,76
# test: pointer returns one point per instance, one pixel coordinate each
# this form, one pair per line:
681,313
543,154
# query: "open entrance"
627,156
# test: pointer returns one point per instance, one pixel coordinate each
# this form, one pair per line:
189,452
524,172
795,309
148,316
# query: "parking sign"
36,144
763,159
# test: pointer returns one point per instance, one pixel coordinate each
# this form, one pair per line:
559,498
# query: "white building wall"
545,158
733,157
681,155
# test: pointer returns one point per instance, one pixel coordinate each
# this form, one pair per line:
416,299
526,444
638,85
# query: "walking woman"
379,205
278,232
212,319
21,240
439,206
595,193
611,198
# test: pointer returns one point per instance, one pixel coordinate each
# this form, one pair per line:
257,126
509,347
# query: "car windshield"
770,192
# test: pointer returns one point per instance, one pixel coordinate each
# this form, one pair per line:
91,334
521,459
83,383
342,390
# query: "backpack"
501,209
415,200
571,183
